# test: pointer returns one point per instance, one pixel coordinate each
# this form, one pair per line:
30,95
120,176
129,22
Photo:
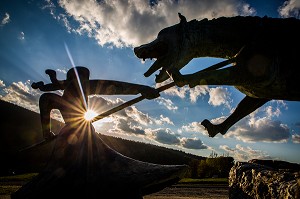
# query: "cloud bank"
133,22
259,126
240,153
290,8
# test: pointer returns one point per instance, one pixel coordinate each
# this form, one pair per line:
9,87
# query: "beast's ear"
182,18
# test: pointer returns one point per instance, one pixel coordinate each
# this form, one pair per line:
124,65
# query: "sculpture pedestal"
83,166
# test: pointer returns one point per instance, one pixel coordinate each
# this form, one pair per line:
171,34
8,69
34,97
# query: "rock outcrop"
264,179
83,166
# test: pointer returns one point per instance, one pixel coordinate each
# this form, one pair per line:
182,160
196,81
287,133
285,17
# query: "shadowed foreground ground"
185,191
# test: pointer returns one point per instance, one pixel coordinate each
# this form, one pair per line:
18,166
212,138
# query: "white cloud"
5,20
21,36
259,129
296,138
167,136
271,112
163,120
164,136
261,126
177,91
2,83
197,92
22,94
290,8
192,143
167,103
182,92
247,10
274,109
194,127
219,96
63,71
240,153
115,22
130,120
138,116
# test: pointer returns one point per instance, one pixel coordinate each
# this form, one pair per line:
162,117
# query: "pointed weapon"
129,103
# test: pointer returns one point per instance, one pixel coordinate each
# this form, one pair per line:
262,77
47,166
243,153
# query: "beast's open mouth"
155,49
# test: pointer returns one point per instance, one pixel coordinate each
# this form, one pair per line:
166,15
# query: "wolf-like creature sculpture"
263,51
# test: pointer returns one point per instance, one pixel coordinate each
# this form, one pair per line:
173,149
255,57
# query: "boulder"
83,166
264,179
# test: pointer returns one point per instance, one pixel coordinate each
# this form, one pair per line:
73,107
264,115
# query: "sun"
89,115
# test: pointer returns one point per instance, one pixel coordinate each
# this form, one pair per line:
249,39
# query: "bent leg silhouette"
244,108
47,102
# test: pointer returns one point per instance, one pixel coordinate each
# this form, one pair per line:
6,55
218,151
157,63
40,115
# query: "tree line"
199,167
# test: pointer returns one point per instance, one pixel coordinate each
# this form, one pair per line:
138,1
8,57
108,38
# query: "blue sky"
101,36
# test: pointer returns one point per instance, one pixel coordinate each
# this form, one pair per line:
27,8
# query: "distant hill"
21,127
149,152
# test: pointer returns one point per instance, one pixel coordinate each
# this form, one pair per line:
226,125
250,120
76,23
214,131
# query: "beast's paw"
149,92
212,129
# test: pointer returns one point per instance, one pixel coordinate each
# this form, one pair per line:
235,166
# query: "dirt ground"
184,191
191,191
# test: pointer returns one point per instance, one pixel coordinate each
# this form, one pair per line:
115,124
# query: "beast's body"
265,56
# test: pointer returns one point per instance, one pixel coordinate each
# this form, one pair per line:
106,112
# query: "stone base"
83,166
264,179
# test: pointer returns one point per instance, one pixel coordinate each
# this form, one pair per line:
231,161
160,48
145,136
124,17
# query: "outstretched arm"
45,87
54,86
111,87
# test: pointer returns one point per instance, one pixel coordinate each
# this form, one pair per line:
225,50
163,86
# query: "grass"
10,184
18,178
204,181
8,189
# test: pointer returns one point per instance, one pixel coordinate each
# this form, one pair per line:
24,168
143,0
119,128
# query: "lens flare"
89,115
73,65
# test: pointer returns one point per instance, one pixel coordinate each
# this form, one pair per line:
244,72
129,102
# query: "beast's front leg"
178,78
230,76
182,80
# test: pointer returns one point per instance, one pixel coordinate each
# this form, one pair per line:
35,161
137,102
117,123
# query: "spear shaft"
129,103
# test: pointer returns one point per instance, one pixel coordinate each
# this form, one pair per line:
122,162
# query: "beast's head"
170,49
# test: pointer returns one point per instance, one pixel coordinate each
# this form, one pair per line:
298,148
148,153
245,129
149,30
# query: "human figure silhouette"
76,89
